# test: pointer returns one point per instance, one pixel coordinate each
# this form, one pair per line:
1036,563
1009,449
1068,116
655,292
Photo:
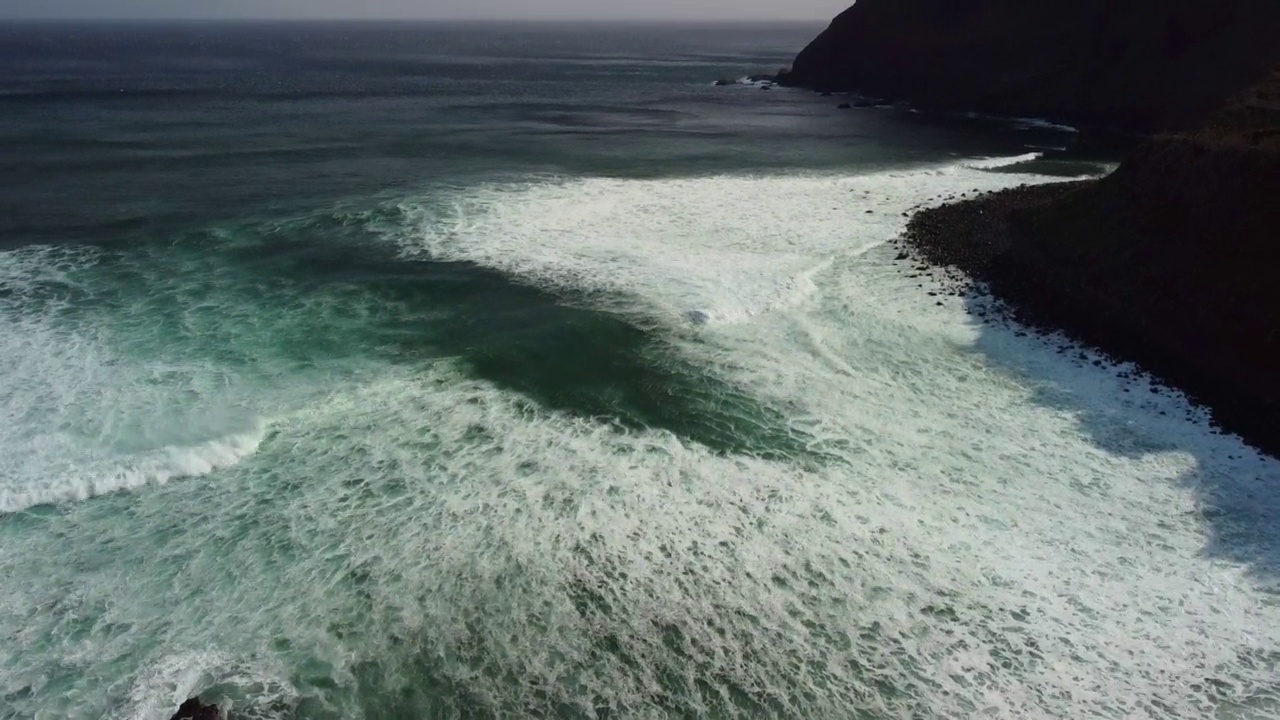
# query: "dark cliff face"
1141,65
1170,261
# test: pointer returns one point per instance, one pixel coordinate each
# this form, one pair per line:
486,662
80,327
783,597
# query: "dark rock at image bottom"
193,709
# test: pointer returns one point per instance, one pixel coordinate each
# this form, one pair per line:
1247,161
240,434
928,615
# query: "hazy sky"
469,9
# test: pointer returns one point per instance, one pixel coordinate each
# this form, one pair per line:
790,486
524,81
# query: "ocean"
499,371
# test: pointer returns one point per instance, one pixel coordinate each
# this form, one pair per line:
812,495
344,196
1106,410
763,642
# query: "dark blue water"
142,124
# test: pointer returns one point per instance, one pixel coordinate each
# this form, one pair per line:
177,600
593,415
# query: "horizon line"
393,19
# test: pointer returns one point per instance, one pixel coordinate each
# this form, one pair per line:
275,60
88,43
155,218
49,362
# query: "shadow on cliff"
1124,412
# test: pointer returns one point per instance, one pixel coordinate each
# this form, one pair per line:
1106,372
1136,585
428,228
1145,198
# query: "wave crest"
78,483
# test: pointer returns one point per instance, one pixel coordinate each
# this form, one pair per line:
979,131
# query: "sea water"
374,371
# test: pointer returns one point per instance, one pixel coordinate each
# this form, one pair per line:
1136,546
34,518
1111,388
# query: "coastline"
1165,263
1144,67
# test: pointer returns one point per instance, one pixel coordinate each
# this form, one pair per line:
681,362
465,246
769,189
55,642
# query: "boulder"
193,709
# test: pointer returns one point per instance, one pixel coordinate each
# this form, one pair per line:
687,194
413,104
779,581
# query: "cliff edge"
1170,261
1137,65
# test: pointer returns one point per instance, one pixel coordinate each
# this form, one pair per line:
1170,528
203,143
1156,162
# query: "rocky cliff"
1171,261
1141,65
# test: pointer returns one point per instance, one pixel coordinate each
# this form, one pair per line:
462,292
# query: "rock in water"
698,317
193,709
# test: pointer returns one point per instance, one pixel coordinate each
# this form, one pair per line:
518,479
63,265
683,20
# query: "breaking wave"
975,523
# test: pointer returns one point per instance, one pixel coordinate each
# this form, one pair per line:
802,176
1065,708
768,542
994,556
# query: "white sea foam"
162,688
982,526
747,81
1001,162
1025,123
1042,124
68,480
77,420
726,248
1022,542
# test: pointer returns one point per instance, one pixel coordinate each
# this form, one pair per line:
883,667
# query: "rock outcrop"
193,709
1136,65
1171,261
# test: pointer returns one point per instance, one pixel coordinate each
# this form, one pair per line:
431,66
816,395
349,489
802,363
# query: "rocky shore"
1169,262
1139,65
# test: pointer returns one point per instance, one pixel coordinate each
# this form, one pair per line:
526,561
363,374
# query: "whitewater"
879,505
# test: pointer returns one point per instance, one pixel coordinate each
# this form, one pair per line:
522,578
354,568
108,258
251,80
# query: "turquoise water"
486,371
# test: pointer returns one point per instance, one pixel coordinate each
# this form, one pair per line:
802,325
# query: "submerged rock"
698,317
193,709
